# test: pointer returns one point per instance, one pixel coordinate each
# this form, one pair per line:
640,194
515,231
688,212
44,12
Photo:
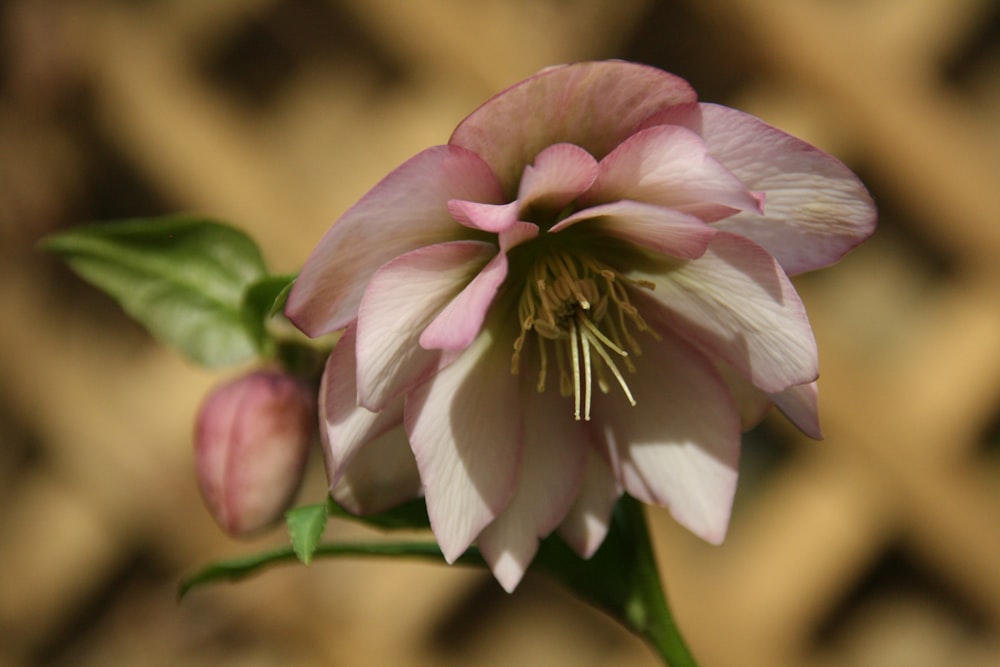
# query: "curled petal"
550,475
465,429
736,303
817,210
345,426
669,165
486,217
800,404
588,519
664,230
679,445
559,174
381,475
594,105
406,210
404,296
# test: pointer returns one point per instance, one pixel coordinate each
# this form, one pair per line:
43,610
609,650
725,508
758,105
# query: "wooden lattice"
878,547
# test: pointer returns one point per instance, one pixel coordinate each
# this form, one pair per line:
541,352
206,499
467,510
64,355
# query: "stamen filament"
575,354
614,369
586,374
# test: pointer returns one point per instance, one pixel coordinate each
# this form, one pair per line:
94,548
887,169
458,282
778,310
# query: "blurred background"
878,547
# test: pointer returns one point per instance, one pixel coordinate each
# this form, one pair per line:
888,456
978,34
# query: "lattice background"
878,547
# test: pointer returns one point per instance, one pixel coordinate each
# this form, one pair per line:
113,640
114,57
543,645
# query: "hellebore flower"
584,293
252,438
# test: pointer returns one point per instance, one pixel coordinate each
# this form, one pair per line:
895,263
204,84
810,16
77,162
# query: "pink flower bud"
251,442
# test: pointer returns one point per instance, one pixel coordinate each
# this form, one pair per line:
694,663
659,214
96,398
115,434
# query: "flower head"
584,293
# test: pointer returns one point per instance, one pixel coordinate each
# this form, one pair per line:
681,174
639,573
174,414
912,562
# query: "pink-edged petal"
587,521
669,165
457,325
486,217
816,210
800,404
664,230
559,174
406,210
737,304
465,429
550,475
403,297
594,105
345,427
381,475
679,445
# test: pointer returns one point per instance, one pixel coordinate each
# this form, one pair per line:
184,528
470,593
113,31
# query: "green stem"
646,609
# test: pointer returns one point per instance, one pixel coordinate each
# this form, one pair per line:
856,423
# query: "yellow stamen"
583,307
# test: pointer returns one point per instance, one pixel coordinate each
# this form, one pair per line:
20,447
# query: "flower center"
580,311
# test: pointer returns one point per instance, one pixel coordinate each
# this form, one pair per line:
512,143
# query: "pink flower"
584,293
251,441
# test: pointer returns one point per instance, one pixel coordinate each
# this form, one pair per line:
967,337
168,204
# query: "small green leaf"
263,300
181,277
305,527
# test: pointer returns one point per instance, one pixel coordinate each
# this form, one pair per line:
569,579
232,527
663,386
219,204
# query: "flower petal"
594,105
550,474
559,174
669,165
406,210
800,404
346,427
403,297
382,475
679,445
466,433
737,304
664,230
587,521
457,325
816,211
486,217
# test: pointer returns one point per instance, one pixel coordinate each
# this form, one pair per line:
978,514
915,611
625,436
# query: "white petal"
587,521
555,445
346,427
465,428
800,405
382,475
403,298
736,303
816,209
679,445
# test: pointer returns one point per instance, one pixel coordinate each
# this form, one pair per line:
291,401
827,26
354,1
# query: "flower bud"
251,443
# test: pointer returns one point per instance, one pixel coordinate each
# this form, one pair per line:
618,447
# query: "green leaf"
241,568
305,527
263,300
622,579
181,277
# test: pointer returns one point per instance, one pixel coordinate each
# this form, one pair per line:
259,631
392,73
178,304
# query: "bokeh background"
878,547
